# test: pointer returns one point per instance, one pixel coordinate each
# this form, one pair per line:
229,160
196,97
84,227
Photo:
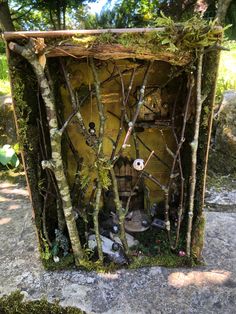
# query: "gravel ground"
206,289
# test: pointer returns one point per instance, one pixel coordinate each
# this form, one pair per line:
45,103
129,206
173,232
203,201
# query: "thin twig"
123,109
136,183
138,107
99,153
177,153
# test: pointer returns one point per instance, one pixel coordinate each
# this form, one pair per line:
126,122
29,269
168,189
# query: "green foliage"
45,252
103,166
22,110
14,304
46,15
4,81
195,33
227,69
8,156
65,262
3,68
191,34
84,177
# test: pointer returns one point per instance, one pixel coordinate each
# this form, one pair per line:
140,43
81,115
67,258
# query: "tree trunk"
223,6
5,17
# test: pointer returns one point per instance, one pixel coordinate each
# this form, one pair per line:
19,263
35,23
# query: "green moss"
169,260
186,36
218,181
66,262
198,237
14,304
22,110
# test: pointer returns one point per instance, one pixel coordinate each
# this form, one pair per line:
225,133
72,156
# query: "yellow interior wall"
80,75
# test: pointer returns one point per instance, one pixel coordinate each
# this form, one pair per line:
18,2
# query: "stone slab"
207,289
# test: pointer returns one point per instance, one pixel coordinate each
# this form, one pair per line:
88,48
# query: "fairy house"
114,127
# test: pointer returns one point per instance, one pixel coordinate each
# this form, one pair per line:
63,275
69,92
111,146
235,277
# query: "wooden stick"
124,115
194,147
70,33
120,211
96,223
99,152
138,107
101,110
176,154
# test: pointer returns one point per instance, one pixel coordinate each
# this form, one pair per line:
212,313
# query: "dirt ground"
206,289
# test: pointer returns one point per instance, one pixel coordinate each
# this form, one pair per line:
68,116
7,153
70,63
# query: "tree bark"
223,6
5,17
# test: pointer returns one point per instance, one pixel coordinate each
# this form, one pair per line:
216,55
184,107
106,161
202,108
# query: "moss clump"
192,34
22,110
66,262
170,260
14,304
198,237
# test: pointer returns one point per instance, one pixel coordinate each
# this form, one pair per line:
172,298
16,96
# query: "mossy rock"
14,304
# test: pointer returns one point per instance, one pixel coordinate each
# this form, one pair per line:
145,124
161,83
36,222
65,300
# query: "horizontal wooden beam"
116,52
69,33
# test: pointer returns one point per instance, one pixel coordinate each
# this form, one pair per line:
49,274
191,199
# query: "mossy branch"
96,222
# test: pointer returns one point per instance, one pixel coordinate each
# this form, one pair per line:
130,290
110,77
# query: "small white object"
138,164
56,259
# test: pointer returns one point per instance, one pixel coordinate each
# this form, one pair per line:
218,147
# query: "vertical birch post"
194,148
29,53
99,154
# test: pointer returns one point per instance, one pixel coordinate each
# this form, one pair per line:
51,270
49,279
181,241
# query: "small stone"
56,259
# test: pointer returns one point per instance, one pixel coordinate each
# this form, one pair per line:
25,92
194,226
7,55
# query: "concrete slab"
208,289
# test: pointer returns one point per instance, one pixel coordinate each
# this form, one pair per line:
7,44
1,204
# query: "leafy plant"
46,253
4,81
8,156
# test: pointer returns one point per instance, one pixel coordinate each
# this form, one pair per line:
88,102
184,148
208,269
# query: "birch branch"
194,148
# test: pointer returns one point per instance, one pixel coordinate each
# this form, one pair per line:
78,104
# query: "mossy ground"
14,304
153,250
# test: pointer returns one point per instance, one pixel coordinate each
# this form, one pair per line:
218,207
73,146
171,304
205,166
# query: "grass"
227,70
4,80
